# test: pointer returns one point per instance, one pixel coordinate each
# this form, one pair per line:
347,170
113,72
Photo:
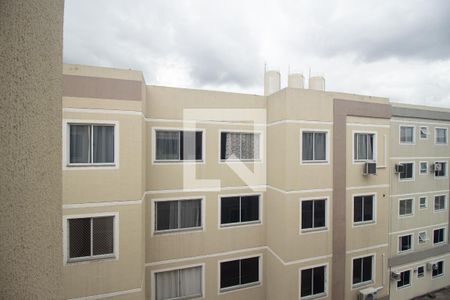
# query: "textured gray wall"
30,149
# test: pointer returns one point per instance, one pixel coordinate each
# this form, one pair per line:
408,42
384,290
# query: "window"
442,172
438,236
178,215
439,270
423,203
363,209
237,210
313,282
423,167
408,171
422,237
364,146
239,273
439,202
313,214
91,144
406,134
362,270
404,243
420,272
239,146
423,132
179,284
314,146
405,279
91,238
405,207
441,135
178,145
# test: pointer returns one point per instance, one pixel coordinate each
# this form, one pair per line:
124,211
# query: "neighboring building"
172,193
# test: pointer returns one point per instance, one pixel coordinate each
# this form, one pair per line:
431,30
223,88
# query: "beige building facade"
173,193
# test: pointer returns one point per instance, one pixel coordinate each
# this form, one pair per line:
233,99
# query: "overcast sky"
391,48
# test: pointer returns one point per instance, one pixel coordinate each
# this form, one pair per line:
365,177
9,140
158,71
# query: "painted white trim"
421,262
101,204
417,228
260,188
413,178
90,259
103,111
300,191
154,161
420,193
154,232
375,147
327,214
413,210
418,157
362,187
367,248
398,120
299,122
66,165
325,279
369,125
258,222
411,249
365,283
413,135
154,272
241,287
435,136
445,236
210,122
327,147
374,210
109,295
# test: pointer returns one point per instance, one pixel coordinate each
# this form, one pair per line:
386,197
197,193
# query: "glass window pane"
357,270
306,285
370,145
229,273
320,146
229,210
103,144
367,268
357,209
368,208
167,285
79,237
307,217
362,146
247,146
190,282
319,280
319,213
190,213
166,215
250,270
233,145
307,146
249,208
167,145
103,235
188,145
80,143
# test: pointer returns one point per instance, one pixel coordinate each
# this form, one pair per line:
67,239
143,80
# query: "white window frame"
413,134
229,160
154,272
413,210
410,280
318,296
95,258
445,236
374,212
67,165
446,170
425,239
241,287
398,243
364,283
178,161
318,229
181,230
327,147
443,270
239,224
413,178
420,133
435,136
375,147
426,202
420,168
445,203
423,274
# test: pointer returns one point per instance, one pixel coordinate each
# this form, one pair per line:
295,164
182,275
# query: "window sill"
175,231
439,244
82,165
404,286
405,216
233,225
156,162
361,284
364,223
238,287
318,296
87,259
224,161
405,251
313,162
437,276
313,230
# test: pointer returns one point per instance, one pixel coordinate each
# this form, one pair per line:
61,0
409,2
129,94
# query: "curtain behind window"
167,145
233,145
190,213
320,146
79,143
190,282
247,146
307,146
166,285
103,148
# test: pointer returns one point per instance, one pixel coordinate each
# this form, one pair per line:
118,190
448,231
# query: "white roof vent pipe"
272,82
296,80
317,83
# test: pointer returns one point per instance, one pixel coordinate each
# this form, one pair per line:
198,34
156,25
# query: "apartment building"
174,193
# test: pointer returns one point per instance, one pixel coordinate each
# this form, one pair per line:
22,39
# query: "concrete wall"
30,151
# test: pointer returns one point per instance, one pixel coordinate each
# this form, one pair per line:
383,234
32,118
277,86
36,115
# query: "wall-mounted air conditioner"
395,276
432,266
399,168
370,168
367,294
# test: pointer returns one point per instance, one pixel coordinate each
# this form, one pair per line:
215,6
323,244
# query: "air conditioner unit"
432,266
395,276
367,294
370,168
399,168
